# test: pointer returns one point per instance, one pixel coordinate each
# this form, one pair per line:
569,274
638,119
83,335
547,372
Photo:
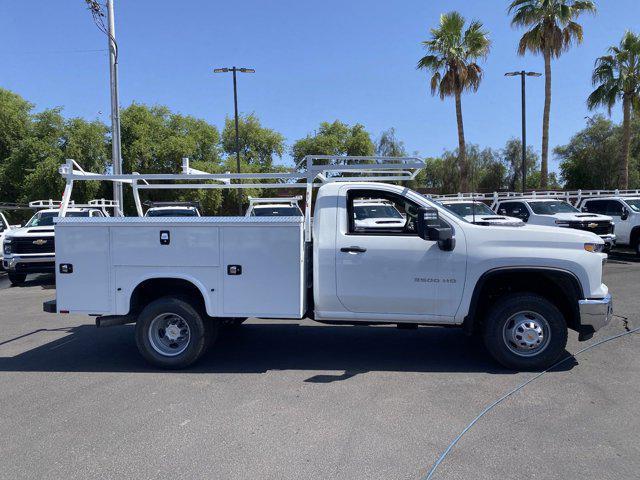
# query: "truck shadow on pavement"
623,257
46,281
343,351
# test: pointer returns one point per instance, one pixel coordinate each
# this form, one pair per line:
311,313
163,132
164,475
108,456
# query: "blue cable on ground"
515,390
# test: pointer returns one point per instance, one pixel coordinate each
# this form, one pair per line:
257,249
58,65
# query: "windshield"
551,208
634,204
45,219
276,212
172,212
471,208
362,212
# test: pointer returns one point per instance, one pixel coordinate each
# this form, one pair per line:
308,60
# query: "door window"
614,208
376,212
596,206
514,209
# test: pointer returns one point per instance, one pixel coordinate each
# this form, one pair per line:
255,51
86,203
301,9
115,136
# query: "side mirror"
584,209
431,229
625,213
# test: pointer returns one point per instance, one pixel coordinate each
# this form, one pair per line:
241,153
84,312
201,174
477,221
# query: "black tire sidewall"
504,308
200,334
17,278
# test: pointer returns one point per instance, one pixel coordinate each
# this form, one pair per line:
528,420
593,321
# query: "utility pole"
235,106
522,75
116,147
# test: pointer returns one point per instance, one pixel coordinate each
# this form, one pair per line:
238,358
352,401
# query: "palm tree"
552,30
617,76
453,51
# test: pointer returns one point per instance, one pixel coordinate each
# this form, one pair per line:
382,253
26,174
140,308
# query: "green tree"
389,146
591,159
258,145
39,147
452,55
552,31
617,77
15,120
154,140
335,138
512,158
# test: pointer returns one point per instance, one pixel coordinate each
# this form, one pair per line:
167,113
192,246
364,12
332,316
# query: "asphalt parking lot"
298,400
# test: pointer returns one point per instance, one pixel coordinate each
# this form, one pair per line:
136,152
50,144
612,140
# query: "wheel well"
154,288
560,287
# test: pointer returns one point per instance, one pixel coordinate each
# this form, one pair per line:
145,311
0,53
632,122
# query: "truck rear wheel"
17,278
525,332
171,333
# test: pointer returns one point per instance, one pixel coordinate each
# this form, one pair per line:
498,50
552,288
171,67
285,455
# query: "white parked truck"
518,288
32,249
622,206
173,209
475,211
5,228
274,207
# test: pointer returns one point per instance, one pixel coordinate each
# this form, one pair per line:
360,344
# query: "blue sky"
315,61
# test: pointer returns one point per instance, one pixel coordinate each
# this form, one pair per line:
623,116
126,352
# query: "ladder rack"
312,171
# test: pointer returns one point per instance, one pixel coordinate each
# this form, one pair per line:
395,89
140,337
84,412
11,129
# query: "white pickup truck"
32,249
622,206
177,279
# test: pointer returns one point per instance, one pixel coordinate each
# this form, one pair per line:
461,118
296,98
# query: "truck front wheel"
525,331
171,333
17,278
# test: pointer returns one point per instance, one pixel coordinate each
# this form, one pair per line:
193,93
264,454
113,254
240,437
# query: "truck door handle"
353,249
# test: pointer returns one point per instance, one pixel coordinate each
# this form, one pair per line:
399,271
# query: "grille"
597,227
26,245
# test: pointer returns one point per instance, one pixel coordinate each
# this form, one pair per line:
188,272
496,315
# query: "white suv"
555,212
625,212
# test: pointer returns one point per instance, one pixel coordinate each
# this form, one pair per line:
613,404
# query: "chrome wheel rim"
526,333
169,334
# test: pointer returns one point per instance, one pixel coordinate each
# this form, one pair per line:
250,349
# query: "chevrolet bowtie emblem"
40,241
592,225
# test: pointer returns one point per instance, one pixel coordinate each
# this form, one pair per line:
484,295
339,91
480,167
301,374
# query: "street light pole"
522,75
116,147
235,106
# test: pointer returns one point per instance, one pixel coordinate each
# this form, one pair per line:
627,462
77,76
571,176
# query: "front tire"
17,278
171,333
525,331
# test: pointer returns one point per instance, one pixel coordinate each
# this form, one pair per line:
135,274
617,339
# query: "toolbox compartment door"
84,252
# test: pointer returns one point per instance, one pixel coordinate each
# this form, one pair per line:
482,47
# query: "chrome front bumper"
595,313
609,239
29,263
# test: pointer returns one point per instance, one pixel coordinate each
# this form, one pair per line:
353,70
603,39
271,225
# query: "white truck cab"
479,213
274,207
624,210
179,279
558,213
31,249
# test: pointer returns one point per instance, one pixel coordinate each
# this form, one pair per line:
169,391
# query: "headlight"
7,247
594,247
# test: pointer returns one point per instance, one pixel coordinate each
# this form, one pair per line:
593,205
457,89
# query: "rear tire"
525,331
17,278
171,333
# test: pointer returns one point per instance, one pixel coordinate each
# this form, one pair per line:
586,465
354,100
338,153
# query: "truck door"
387,269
